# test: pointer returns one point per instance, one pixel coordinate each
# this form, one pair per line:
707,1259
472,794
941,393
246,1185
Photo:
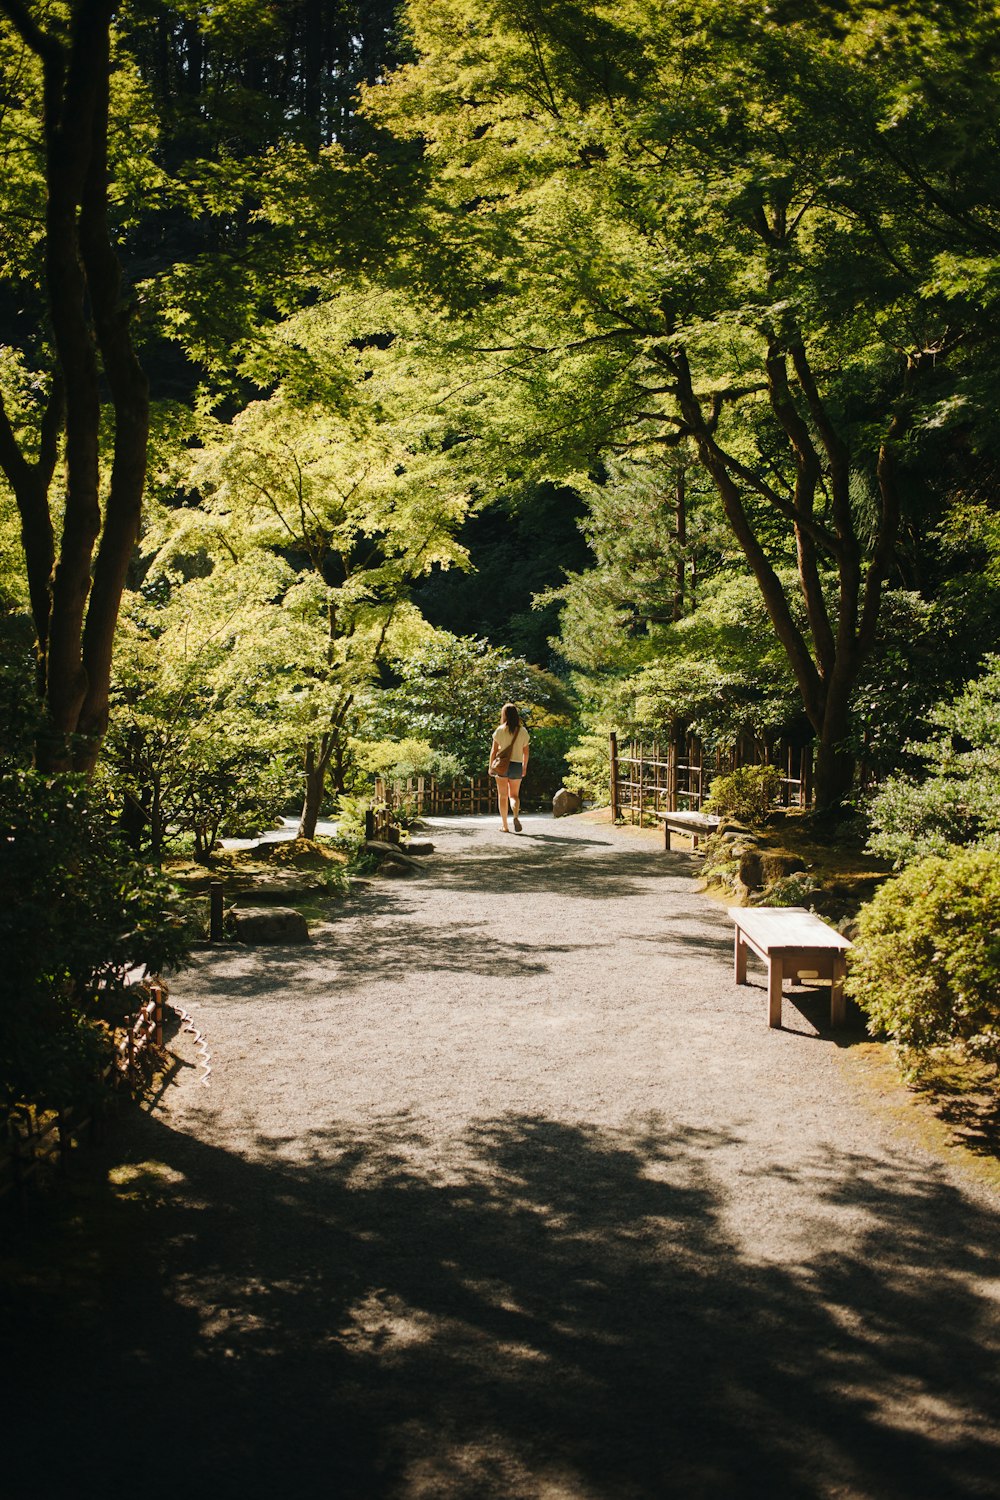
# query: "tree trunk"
76,596
315,778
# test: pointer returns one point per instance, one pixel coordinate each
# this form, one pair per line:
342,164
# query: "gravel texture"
502,1188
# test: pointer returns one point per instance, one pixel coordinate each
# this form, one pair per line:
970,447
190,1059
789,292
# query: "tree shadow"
543,1309
566,867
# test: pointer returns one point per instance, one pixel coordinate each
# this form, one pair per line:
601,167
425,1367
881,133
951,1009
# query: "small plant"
747,794
790,890
926,964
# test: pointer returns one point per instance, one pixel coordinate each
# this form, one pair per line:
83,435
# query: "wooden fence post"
157,994
215,904
613,747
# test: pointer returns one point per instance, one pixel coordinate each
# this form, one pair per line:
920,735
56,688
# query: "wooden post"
130,1056
157,994
740,959
775,974
215,906
613,748
672,771
837,1006
806,792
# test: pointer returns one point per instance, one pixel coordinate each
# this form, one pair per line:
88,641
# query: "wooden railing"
676,777
425,796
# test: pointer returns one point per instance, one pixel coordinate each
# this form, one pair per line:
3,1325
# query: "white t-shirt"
517,742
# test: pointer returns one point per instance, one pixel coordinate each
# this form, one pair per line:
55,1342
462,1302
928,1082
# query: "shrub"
746,794
957,801
926,964
588,767
77,911
397,760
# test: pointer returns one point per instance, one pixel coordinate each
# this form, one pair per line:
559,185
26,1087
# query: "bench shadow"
550,1307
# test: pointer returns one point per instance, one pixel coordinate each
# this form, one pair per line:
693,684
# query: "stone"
751,873
777,866
419,846
269,924
389,852
564,803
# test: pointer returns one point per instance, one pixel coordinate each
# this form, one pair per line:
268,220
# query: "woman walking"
508,763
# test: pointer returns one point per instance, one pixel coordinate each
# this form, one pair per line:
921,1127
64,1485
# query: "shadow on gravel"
558,866
331,967
554,1310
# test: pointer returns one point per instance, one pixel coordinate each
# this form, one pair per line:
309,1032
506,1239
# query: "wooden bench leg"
666,836
775,974
837,1007
740,958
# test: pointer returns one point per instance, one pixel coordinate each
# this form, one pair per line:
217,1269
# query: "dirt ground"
501,1188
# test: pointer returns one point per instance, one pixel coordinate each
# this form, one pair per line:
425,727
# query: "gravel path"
503,1189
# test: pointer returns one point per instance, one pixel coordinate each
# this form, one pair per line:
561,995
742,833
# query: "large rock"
750,871
775,866
269,924
419,846
564,803
389,854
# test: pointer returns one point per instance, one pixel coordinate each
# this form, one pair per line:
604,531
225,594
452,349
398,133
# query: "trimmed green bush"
926,964
747,794
77,912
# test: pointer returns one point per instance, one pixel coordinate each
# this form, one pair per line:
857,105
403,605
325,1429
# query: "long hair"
510,716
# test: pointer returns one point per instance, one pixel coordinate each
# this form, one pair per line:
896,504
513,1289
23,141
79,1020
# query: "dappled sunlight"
550,1299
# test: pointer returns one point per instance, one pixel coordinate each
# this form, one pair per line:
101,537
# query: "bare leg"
503,798
515,797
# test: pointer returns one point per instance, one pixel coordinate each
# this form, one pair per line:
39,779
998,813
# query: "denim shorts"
515,771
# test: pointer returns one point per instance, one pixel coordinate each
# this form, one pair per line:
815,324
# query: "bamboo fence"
676,777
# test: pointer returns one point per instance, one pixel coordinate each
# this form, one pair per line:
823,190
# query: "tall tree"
76,572
763,235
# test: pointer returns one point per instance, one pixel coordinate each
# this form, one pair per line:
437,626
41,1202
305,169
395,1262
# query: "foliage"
790,890
77,911
191,751
747,794
397,760
451,692
19,707
644,216
926,964
956,802
349,812
588,762
333,490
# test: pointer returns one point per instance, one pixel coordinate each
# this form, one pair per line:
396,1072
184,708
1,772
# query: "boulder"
387,853
564,803
419,846
750,872
776,866
269,924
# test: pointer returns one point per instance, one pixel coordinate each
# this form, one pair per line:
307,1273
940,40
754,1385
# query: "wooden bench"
793,943
696,825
